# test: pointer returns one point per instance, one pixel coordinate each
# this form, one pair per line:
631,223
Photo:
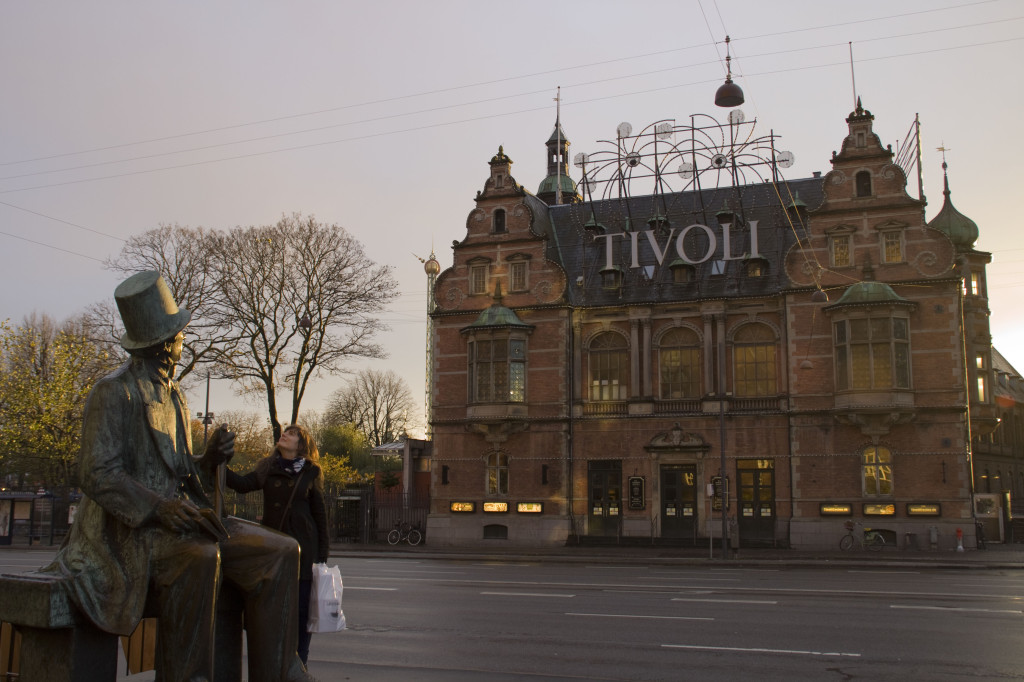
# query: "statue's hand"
179,516
220,448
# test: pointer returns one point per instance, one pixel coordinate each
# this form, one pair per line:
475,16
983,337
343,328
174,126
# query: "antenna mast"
558,148
853,79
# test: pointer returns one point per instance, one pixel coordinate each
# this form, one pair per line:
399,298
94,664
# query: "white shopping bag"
325,614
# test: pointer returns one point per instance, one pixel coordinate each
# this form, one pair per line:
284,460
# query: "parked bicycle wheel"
414,537
876,542
394,537
846,542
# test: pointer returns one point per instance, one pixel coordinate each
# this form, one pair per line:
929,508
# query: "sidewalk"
996,556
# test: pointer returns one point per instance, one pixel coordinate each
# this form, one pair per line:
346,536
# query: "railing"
606,408
754,404
676,406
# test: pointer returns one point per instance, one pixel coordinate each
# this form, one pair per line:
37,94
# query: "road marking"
529,594
668,577
756,650
727,601
626,615
954,608
376,589
886,572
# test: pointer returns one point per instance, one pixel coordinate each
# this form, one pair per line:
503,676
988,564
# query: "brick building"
599,353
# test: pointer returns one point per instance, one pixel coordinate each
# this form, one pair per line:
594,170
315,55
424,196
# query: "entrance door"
605,506
679,501
757,501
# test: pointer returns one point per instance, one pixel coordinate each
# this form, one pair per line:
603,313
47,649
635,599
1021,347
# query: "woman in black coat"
293,503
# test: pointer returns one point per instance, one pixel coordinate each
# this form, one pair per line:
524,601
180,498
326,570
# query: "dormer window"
499,219
499,181
863,183
862,140
682,272
756,267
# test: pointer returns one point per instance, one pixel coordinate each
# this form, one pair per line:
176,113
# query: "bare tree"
187,259
301,297
272,306
377,403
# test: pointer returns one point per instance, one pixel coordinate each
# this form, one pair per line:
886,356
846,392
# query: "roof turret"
960,229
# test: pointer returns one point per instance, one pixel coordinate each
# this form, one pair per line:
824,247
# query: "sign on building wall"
636,492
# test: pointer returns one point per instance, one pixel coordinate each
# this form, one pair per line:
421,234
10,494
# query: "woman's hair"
307,446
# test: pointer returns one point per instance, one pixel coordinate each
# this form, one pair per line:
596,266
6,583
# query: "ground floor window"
877,470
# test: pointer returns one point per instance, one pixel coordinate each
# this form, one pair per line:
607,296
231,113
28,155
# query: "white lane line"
375,589
529,594
727,601
756,650
885,572
668,577
954,608
626,615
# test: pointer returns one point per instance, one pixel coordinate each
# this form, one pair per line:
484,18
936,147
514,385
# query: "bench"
60,644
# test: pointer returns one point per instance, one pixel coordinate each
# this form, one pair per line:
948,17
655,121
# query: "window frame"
478,278
880,458
504,374
852,347
690,360
496,473
609,364
758,355
887,238
521,265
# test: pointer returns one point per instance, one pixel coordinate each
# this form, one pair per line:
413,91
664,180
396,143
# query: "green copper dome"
869,293
497,315
960,229
549,184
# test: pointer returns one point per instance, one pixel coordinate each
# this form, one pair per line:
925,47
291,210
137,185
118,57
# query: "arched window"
499,220
609,367
679,363
754,372
497,473
863,183
877,470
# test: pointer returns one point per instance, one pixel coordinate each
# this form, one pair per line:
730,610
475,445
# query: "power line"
49,246
389,100
490,116
60,220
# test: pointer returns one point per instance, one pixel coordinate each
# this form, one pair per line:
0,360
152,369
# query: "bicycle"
872,539
405,531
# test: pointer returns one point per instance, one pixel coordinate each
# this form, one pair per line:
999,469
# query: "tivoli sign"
679,242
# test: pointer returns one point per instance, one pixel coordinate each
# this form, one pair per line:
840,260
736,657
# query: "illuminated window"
840,251
982,379
478,279
975,284
497,473
756,268
872,353
892,247
517,276
877,469
679,360
754,372
609,360
497,370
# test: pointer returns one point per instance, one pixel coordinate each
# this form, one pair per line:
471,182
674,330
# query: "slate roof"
573,243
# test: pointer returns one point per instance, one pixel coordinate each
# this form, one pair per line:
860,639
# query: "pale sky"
381,117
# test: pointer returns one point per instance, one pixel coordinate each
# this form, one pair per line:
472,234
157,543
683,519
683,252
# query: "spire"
558,187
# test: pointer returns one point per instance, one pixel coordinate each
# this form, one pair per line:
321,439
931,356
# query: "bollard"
959,540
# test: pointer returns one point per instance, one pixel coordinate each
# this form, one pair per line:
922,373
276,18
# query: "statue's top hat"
148,311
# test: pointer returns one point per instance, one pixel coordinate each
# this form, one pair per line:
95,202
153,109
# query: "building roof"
581,232
869,293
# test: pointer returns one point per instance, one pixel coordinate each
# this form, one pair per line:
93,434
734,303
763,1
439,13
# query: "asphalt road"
459,620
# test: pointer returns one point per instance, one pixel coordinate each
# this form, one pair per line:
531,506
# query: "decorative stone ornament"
148,311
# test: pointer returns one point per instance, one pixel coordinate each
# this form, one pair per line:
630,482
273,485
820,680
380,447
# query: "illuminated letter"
608,247
727,244
658,253
681,248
